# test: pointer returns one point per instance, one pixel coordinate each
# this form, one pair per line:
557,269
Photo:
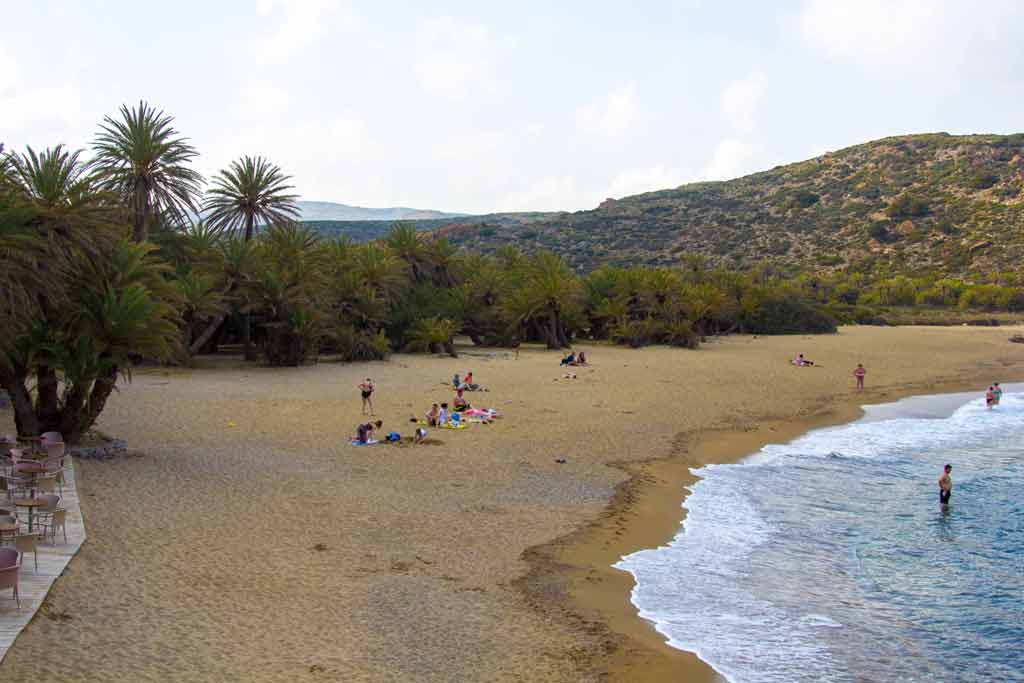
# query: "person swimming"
945,485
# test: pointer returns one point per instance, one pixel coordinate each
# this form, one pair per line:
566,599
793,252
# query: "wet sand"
244,539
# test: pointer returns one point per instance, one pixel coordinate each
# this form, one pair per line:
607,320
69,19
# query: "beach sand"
244,540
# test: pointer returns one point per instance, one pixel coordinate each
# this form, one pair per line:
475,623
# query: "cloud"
298,24
740,100
45,113
455,58
611,115
638,180
261,99
550,193
945,40
730,159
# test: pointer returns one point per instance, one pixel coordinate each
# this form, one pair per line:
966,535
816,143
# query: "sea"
829,558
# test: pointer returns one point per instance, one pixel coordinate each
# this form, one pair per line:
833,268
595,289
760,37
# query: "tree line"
124,253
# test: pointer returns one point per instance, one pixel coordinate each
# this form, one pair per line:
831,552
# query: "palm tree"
142,159
250,192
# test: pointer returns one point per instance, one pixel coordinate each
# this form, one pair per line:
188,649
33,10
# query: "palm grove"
127,255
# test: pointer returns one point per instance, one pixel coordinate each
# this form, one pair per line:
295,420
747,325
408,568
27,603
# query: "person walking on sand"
859,373
990,398
945,485
997,393
366,390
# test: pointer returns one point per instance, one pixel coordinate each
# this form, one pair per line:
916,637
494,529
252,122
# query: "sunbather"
460,403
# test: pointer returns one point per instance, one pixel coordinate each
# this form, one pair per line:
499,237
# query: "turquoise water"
830,559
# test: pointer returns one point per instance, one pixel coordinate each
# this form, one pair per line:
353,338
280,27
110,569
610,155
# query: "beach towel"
371,442
450,425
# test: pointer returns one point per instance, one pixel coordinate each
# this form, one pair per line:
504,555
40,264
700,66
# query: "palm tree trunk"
247,349
47,388
13,382
140,200
207,334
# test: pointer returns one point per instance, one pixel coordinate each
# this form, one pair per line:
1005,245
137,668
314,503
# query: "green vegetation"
104,266
927,201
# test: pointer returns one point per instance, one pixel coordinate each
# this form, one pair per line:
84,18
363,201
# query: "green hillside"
937,202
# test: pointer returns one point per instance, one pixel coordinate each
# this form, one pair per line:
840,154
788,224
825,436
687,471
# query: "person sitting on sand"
800,361
581,359
442,415
460,403
997,392
990,398
570,359
456,381
364,432
859,373
420,434
433,415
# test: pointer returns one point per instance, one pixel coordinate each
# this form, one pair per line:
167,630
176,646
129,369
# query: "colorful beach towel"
371,442
449,425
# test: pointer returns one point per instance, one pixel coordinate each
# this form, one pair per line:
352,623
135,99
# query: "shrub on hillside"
907,206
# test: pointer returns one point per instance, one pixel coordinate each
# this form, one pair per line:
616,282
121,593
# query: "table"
31,504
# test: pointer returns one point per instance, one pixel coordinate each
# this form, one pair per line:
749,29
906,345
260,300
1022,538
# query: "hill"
934,202
331,211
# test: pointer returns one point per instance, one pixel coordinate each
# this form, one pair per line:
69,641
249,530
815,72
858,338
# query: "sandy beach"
244,539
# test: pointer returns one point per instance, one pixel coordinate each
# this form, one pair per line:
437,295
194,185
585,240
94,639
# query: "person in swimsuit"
997,392
366,390
859,373
434,415
442,415
945,485
990,398
460,402
420,434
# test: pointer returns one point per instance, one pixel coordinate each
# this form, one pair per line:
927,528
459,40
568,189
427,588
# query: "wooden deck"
34,585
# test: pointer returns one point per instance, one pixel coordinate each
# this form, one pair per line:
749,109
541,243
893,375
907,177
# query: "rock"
1017,339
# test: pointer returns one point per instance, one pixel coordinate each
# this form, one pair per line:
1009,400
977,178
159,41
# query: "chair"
58,520
10,563
28,543
46,484
44,513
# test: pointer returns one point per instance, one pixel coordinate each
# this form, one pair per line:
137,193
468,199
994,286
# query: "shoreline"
646,511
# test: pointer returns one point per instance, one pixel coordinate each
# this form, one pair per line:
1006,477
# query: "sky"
480,107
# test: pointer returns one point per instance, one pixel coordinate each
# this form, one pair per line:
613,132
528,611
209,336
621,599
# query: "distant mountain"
331,211
949,204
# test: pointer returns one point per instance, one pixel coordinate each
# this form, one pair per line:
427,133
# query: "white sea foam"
782,572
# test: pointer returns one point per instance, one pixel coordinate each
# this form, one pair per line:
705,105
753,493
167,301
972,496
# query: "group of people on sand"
859,372
439,415
575,360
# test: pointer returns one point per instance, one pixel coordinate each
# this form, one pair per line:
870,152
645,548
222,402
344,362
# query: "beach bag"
394,436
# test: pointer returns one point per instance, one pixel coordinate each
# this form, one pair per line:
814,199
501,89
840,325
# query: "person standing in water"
366,390
997,392
859,373
990,398
945,485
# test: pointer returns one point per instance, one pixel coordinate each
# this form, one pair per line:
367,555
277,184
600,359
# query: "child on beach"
859,373
997,392
990,398
460,403
442,415
801,362
420,434
456,381
364,432
366,390
433,415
